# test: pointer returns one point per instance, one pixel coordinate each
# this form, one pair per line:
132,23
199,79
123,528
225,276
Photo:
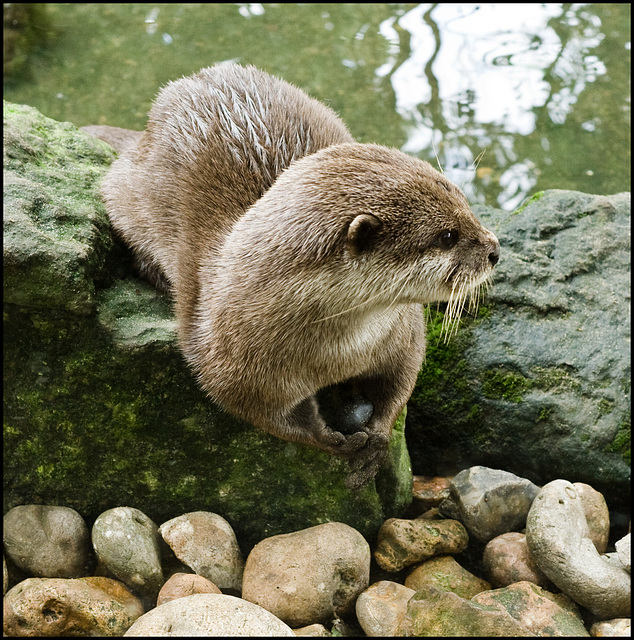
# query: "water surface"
540,91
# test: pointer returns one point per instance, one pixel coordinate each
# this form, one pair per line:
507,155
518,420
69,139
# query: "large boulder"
538,383
100,407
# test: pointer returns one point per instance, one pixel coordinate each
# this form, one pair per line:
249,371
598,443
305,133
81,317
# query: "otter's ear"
362,233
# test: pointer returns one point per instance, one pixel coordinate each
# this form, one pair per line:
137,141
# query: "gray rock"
308,576
126,542
47,541
55,231
58,607
558,539
206,543
381,608
405,542
208,614
489,502
539,383
624,551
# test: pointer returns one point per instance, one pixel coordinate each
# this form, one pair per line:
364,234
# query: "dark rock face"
539,383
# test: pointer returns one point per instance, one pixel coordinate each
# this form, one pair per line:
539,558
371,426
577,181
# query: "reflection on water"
482,74
541,91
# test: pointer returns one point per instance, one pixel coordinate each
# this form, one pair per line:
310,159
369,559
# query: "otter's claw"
364,466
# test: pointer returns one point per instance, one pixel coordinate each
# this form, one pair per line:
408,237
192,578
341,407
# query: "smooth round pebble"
489,502
184,584
209,614
445,574
381,608
206,543
92,606
405,542
506,559
308,576
558,539
126,542
47,541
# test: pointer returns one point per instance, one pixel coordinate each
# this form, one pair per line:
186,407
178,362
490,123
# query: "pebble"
92,606
624,551
126,542
445,574
405,542
597,515
319,577
506,559
540,612
308,576
618,627
443,613
558,539
47,542
208,614
429,491
180,585
381,608
206,542
489,502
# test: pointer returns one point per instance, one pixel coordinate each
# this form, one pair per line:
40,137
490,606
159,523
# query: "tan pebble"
445,574
381,608
308,576
506,559
184,584
405,542
207,543
208,614
618,627
313,631
91,606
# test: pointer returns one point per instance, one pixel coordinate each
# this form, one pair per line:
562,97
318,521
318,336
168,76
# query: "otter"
298,259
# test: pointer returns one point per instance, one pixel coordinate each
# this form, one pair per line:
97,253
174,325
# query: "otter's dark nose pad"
494,256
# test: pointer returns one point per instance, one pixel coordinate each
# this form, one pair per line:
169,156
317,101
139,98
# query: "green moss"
534,198
504,384
622,442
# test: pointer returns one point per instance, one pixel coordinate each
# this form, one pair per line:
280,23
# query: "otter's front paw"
367,461
340,444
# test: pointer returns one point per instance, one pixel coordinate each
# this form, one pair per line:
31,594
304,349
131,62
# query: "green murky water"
542,89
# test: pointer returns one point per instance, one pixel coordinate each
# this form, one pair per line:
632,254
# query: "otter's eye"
447,239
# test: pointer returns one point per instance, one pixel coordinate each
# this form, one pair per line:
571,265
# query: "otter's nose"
494,256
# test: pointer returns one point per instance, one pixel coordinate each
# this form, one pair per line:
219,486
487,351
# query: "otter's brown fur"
296,257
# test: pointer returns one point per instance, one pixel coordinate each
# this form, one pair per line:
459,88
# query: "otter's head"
405,223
